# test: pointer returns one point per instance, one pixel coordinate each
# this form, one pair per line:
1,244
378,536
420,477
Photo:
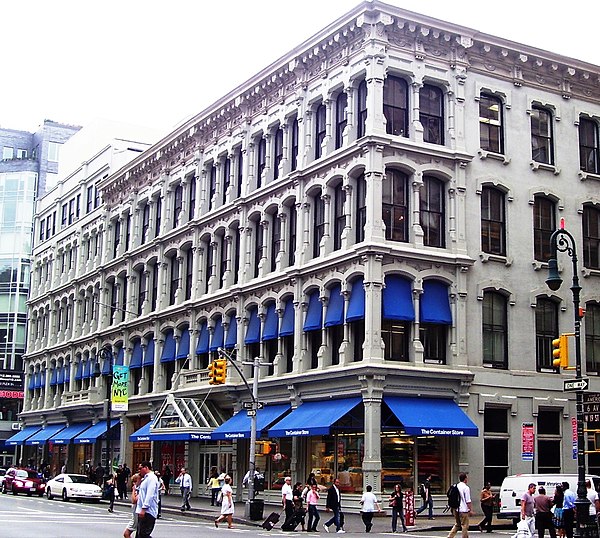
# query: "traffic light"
219,372
212,367
560,351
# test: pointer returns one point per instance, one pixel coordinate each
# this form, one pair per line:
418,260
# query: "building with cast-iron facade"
370,215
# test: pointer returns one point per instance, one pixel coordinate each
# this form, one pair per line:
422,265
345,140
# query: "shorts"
133,523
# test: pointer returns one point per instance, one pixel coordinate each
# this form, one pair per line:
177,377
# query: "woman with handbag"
396,501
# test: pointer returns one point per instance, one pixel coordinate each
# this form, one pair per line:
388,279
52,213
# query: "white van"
513,488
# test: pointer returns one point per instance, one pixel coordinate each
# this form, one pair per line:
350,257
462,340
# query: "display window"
338,455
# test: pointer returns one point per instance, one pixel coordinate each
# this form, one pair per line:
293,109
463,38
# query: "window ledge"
587,272
535,166
485,258
484,154
538,266
583,176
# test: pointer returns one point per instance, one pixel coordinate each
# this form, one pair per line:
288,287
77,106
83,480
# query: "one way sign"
576,384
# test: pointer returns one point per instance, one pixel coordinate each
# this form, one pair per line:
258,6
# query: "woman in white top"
227,507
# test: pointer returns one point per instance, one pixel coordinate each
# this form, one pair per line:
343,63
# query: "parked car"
2,474
26,481
73,486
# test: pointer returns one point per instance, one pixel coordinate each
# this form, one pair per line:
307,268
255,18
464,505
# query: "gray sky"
155,63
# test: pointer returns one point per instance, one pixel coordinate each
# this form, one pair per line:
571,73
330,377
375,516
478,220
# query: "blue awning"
143,434
202,346
32,381
79,370
356,303
181,436
397,300
106,370
39,379
120,358
238,426
314,418
87,369
54,376
335,307
253,331
435,303
60,375
271,329
20,437
431,416
287,321
168,352
231,340
94,432
64,437
136,355
314,314
148,359
44,434
183,350
67,368
218,336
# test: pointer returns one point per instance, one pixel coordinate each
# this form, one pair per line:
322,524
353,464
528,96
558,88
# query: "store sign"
527,441
11,381
119,396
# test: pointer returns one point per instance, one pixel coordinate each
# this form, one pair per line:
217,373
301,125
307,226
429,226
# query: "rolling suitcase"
271,521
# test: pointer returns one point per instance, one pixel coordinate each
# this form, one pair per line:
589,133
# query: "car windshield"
80,479
21,473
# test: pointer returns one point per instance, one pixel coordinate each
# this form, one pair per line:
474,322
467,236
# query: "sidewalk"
201,509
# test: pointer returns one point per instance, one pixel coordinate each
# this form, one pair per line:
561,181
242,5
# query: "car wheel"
64,495
14,491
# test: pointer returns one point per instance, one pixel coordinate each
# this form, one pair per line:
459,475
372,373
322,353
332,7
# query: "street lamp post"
562,241
106,355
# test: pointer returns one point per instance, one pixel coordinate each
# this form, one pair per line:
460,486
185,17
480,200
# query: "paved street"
22,517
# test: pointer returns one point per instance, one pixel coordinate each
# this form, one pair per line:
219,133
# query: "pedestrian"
527,508
543,513
132,525
227,506
312,500
486,498
110,486
215,487
558,499
396,501
311,480
161,491
462,513
287,501
167,475
121,483
592,496
568,510
63,469
299,510
185,484
99,474
334,504
426,496
368,504
147,503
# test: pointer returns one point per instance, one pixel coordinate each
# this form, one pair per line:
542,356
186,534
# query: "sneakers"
341,531
325,527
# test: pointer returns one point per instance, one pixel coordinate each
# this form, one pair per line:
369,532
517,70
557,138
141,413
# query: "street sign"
253,405
576,384
251,412
246,405
591,410
260,405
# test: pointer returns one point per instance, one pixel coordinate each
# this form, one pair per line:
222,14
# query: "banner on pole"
119,397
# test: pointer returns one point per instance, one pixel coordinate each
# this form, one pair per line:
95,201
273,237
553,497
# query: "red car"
23,481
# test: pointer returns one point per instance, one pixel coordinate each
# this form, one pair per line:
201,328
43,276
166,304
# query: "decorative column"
372,394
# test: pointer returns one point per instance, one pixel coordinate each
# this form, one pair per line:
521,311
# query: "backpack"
453,495
423,491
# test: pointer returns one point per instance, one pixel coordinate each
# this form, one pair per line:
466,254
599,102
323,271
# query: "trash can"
257,507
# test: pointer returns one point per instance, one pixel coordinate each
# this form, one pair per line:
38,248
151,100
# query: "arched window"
395,106
395,205
431,113
493,221
494,330
432,212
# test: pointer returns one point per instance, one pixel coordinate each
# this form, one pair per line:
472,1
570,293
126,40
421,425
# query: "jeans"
398,512
367,518
427,503
313,517
334,519
214,495
185,496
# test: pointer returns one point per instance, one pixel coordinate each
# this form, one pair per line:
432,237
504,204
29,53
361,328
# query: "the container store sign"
12,384
528,441
119,396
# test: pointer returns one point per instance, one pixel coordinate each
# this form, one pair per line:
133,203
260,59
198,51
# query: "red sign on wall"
527,441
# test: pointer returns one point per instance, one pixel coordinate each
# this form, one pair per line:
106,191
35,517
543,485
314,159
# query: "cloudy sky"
155,63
